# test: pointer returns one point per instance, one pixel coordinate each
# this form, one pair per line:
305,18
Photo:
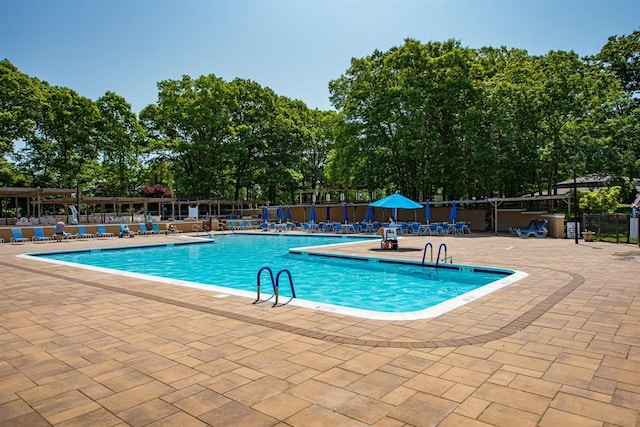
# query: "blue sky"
294,47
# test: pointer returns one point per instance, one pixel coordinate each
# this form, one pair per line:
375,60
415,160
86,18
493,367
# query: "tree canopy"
427,119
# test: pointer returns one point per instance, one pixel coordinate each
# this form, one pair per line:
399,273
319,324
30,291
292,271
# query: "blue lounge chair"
142,229
538,229
156,228
82,233
17,236
102,231
39,236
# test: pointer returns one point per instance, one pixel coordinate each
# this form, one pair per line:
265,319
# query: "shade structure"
265,214
427,212
328,216
369,217
280,215
397,201
345,214
287,215
312,213
453,214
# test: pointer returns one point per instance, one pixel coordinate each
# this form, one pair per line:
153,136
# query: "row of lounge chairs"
410,228
239,224
17,234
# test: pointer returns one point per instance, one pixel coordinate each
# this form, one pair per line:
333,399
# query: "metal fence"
618,228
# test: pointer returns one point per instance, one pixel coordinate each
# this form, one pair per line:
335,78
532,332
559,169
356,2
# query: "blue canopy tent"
396,201
312,213
453,214
345,215
280,214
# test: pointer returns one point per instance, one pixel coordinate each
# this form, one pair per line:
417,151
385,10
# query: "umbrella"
396,200
328,217
287,216
453,215
265,214
369,217
312,213
345,216
427,212
280,214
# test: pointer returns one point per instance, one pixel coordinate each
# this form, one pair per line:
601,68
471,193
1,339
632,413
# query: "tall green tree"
20,102
119,140
62,151
192,120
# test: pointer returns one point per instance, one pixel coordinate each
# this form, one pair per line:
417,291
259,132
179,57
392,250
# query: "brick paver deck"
560,347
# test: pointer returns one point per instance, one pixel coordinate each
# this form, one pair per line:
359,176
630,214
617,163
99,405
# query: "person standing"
59,229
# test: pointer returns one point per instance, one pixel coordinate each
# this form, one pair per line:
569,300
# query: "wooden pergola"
35,197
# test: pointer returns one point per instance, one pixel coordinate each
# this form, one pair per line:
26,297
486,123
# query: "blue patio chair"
39,236
82,233
17,236
435,229
446,228
462,228
102,231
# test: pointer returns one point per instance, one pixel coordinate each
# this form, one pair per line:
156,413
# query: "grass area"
611,238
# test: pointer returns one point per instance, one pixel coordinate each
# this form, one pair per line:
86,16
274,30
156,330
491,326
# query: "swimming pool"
363,286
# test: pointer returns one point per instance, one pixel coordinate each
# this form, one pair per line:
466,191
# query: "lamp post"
575,197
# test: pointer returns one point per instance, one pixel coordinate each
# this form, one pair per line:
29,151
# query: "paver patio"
559,347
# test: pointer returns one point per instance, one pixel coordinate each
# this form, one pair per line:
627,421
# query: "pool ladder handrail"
274,283
198,229
424,252
442,245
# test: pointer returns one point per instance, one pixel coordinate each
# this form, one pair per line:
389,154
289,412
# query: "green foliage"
603,201
119,140
425,119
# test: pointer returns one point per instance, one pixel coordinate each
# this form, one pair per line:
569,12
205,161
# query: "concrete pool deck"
559,347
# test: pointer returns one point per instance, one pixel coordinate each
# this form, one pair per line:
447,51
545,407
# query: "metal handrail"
442,245
273,283
424,252
293,291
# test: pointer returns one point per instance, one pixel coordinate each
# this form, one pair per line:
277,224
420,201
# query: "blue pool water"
233,261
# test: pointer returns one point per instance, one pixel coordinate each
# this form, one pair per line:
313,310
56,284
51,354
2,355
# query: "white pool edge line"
427,313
